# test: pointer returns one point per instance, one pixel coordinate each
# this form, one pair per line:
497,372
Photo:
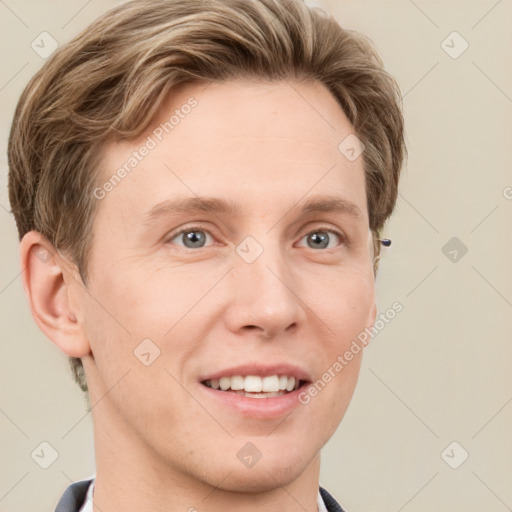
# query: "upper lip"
261,370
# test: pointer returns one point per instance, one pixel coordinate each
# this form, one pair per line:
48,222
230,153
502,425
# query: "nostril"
264,333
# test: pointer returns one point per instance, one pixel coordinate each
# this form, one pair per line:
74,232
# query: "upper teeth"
254,383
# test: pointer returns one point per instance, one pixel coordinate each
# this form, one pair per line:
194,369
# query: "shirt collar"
87,505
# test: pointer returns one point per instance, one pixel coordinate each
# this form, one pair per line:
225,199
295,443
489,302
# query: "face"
234,254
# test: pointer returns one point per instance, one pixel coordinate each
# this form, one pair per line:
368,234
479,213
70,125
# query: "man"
199,188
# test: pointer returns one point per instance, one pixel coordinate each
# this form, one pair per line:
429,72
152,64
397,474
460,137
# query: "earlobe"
48,284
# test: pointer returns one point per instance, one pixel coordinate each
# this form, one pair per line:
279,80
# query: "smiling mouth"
254,386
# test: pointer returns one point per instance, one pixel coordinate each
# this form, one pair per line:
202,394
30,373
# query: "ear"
50,286
373,314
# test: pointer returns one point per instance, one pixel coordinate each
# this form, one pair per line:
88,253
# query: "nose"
265,297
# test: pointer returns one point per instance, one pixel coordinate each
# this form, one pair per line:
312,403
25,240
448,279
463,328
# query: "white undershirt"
87,506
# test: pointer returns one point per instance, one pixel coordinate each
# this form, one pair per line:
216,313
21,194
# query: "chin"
277,467
263,479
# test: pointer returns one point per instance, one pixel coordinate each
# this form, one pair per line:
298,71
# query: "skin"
160,442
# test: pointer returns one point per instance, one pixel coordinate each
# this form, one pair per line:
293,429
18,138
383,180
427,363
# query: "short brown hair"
109,82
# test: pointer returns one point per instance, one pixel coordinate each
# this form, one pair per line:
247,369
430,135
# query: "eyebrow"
192,205
315,204
334,204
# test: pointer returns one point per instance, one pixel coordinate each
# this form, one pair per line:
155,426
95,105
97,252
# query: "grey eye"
191,238
322,239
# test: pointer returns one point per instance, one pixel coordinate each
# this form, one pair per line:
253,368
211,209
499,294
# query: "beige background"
438,373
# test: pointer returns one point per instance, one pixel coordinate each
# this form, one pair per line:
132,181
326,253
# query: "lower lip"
265,408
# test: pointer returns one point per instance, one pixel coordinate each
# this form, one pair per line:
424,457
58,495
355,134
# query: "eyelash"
340,235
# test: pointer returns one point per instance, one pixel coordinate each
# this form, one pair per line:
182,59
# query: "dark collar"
331,504
74,497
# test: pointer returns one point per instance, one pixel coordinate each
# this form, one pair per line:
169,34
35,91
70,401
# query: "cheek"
344,386
349,305
131,313
347,310
128,305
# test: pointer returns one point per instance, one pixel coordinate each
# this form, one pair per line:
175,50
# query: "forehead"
252,141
